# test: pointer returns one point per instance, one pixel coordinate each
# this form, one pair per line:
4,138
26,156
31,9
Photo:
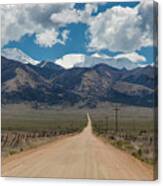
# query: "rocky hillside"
51,84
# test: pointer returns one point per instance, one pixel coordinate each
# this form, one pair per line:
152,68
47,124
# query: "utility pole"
116,109
107,122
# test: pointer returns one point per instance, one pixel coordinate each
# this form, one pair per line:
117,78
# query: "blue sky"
81,36
76,43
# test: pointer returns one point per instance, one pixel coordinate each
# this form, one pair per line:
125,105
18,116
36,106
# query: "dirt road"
79,156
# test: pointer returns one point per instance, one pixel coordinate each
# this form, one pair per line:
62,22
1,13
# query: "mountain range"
48,83
77,60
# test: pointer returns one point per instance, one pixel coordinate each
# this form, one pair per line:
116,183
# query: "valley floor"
79,156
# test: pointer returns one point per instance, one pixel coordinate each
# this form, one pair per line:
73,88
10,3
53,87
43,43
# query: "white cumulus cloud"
123,29
134,57
66,17
18,20
97,55
69,60
48,38
64,36
72,15
127,61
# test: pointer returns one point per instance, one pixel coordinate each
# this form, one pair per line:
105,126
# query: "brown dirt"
79,156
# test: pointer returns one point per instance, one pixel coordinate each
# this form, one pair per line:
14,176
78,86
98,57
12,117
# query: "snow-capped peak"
17,55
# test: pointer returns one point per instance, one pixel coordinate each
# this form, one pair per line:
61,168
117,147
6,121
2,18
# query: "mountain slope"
21,83
146,76
48,70
51,84
101,83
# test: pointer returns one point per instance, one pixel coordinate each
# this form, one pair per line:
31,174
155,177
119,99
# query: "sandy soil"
79,156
